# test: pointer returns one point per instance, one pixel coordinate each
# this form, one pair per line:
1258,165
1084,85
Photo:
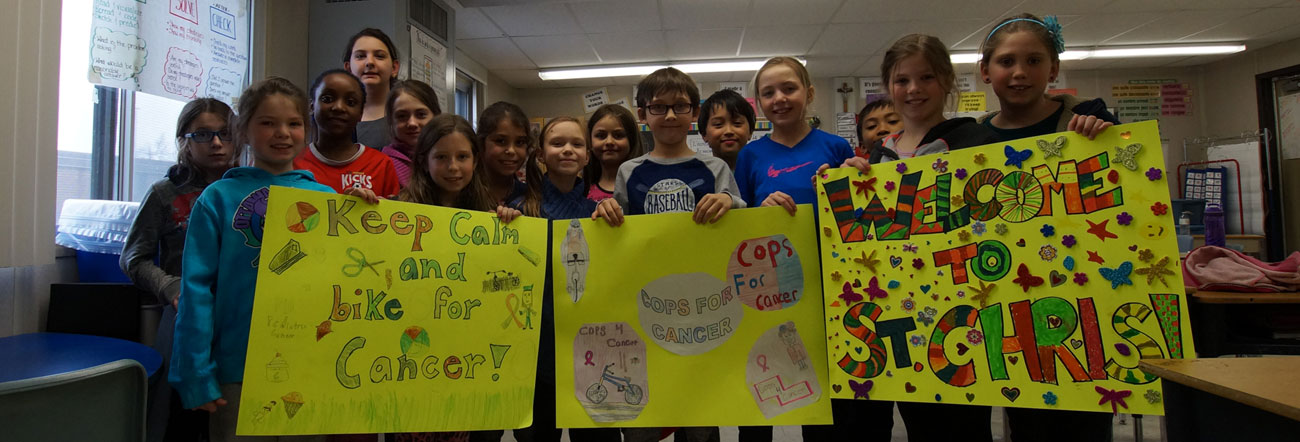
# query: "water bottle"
1184,231
1215,230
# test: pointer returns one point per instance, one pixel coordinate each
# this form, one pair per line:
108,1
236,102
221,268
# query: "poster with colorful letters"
1033,273
395,317
664,322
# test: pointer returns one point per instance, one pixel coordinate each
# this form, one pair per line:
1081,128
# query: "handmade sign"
393,317
664,322
1034,274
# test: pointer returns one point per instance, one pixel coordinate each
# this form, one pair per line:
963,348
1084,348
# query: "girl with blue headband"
1019,57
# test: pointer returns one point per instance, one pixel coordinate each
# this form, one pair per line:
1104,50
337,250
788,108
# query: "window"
467,93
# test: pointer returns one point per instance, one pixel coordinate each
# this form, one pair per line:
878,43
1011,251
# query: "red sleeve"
391,183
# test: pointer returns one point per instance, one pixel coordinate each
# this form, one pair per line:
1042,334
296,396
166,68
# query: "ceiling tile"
1092,29
495,53
1175,25
520,78
870,67
779,40
874,11
630,47
558,50
1257,24
533,20
1171,6
864,40
471,23
834,66
616,16
696,14
694,45
711,77
784,12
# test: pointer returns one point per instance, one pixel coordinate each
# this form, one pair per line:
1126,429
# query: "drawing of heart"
970,397
1020,243
962,349
1076,343
1011,393
837,388
895,261
1054,321
1125,134
909,387
858,349
1014,359
1057,278
1133,248
1113,176
925,288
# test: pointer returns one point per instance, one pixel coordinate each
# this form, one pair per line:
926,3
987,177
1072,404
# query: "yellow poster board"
1032,274
393,317
664,322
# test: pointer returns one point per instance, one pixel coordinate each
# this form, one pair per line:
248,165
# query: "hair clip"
1054,28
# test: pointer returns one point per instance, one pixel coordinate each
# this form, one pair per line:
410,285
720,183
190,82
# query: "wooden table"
1215,336
1247,399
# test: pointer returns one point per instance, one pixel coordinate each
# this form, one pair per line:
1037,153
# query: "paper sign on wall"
868,86
966,83
1032,274
176,49
392,317
595,99
972,102
428,63
740,87
673,312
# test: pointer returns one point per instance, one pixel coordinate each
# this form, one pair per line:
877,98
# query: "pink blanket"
1220,269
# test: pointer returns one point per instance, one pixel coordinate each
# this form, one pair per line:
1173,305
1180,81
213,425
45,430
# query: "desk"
43,354
1219,316
1255,399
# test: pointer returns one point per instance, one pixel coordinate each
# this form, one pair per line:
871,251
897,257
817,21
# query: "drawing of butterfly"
909,247
1016,157
849,295
1052,148
860,390
865,186
1127,155
1025,279
874,291
1118,276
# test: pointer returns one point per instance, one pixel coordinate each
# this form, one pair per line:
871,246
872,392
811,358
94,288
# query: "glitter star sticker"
1157,271
1100,230
868,261
982,293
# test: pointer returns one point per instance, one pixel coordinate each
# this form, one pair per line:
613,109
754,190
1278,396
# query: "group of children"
375,137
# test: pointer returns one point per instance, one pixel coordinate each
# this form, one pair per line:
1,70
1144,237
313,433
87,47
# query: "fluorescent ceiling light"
690,67
1125,52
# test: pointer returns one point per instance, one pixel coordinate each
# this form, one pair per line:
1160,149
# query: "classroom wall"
280,41
1232,104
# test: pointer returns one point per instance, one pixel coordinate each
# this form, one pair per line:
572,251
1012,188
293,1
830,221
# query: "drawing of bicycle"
597,392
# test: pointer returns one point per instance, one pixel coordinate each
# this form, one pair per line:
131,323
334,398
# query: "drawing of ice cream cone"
292,403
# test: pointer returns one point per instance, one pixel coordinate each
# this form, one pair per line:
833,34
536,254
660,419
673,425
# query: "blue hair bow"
1054,28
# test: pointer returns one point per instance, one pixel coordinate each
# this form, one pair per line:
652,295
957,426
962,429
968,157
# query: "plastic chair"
101,403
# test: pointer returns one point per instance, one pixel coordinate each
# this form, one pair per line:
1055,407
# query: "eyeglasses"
662,109
205,136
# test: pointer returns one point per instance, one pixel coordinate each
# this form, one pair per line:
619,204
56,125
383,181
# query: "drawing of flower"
1080,278
1068,241
1154,174
974,337
979,158
1047,230
1145,255
909,305
1049,398
902,167
917,340
918,263
961,173
889,186
1047,252
1000,228
963,235
961,293
1124,218
1159,208
1152,396
978,228
940,165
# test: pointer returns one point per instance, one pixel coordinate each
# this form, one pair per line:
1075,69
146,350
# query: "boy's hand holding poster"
664,322
393,317
1034,274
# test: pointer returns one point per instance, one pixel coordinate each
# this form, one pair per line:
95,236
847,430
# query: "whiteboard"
1288,125
1252,191
178,49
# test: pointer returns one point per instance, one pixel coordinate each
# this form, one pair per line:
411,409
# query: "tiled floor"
1123,430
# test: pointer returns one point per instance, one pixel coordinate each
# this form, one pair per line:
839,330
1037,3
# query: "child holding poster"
446,159
672,177
410,106
221,251
503,132
371,56
777,170
335,160
1020,56
615,137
